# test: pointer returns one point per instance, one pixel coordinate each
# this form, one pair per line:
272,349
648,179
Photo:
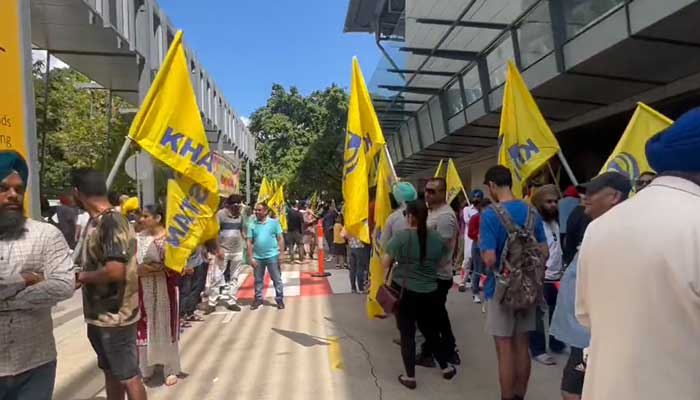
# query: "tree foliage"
76,128
299,140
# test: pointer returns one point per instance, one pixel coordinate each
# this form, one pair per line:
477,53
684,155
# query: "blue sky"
247,45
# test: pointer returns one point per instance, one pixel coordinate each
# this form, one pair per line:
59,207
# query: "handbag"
388,297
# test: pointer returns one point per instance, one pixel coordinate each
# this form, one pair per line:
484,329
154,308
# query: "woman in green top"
417,252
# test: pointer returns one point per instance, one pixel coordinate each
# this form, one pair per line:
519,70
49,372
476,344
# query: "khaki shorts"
504,322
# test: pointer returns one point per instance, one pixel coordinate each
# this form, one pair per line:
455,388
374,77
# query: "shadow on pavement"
301,338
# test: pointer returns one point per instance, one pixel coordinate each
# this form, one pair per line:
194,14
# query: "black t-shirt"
575,228
295,221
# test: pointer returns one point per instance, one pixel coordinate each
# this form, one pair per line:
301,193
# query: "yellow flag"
525,142
168,124
276,203
382,209
629,157
363,140
189,220
438,171
454,182
265,191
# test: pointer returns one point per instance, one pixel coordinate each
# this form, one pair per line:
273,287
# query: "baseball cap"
477,193
611,179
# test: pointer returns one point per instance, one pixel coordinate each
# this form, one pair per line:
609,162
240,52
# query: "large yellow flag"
190,221
363,140
265,191
454,182
382,209
629,157
525,142
276,203
168,124
438,171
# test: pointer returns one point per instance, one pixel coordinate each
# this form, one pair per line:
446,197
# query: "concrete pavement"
321,347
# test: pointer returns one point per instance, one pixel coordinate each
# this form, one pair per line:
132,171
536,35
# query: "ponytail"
420,213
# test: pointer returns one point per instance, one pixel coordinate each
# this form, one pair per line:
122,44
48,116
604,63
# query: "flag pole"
567,168
554,177
391,163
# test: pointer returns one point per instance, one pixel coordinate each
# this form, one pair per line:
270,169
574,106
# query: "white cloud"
40,55
245,120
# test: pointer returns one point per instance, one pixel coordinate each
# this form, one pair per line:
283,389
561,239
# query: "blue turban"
677,148
11,161
404,192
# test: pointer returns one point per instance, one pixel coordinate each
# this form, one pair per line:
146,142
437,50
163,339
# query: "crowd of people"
606,272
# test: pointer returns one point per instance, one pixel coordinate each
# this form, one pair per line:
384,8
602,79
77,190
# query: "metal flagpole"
391,163
567,168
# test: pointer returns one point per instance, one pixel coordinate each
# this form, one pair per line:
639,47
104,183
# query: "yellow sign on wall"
11,82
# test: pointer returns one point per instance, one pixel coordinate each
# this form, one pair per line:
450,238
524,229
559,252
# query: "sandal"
408,382
449,373
170,380
194,318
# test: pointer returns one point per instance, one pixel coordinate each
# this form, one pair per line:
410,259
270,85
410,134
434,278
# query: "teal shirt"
421,277
264,237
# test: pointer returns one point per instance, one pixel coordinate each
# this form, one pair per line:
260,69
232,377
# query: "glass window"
496,62
535,35
454,99
472,86
579,14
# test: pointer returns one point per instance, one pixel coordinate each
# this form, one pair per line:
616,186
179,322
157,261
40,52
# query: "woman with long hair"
158,331
417,252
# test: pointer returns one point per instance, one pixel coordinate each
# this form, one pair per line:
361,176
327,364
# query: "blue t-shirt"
264,237
493,235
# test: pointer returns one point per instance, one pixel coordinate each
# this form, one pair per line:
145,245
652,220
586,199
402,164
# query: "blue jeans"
35,384
359,265
273,269
477,269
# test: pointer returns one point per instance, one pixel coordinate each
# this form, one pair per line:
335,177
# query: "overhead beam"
466,24
439,53
391,111
415,71
411,89
398,101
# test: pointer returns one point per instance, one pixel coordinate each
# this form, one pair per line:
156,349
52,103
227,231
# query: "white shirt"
638,290
82,220
554,262
467,214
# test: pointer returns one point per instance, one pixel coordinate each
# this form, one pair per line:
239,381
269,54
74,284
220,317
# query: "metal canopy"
467,24
439,53
412,89
415,71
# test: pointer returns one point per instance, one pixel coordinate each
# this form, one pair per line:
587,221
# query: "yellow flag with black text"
525,141
363,140
453,181
629,157
382,209
168,124
265,191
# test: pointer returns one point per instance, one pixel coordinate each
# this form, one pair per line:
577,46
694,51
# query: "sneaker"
449,372
454,358
425,361
462,288
483,308
256,304
468,285
234,307
280,305
476,299
545,359
209,309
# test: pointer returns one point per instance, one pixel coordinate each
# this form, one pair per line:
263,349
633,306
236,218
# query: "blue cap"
677,147
404,192
11,161
477,193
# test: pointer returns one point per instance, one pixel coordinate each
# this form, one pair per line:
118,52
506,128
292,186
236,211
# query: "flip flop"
409,383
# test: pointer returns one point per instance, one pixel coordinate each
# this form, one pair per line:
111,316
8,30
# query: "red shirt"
473,231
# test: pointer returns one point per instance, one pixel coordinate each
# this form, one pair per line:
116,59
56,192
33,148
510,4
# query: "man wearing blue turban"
638,285
35,274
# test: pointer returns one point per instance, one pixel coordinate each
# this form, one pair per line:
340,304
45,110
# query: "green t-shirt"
421,277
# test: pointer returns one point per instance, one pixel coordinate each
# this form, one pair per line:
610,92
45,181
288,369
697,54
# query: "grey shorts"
504,322
116,350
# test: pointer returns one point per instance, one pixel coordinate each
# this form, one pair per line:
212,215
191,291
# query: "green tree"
299,140
76,129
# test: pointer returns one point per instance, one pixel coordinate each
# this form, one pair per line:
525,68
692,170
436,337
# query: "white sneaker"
476,299
483,308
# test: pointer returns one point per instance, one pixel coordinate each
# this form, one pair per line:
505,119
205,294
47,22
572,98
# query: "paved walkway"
321,347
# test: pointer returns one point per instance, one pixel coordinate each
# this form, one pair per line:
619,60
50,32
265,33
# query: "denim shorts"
116,350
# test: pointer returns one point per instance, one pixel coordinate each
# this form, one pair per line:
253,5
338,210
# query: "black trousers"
191,288
442,321
419,309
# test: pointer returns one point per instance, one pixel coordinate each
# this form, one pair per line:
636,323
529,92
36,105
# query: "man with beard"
110,287
545,201
35,274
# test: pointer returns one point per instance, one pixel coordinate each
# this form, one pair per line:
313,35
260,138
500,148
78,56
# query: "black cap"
611,179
